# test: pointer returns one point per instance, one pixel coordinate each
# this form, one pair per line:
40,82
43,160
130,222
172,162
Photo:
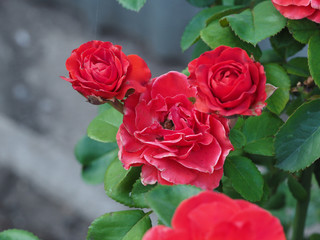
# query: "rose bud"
229,82
174,143
215,216
299,9
100,71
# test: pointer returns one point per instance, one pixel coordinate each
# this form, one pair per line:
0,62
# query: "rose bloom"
215,216
229,82
298,9
174,143
101,71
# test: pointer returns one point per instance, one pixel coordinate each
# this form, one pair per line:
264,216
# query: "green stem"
116,104
302,206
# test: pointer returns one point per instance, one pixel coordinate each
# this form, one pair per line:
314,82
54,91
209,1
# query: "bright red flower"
100,70
174,143
215,216
298,9
229,82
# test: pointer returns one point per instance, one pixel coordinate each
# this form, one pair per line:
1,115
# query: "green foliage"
298,66
278,77
200,48
245,177
214,35
17,234
201,3
134,5
254,25
139,192
104,127
118,182
296,189
296,142
263,146
314,57
302,30
123,225
237,138
163,200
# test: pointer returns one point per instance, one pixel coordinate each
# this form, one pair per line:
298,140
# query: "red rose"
229,82
298,9
100,70
214,216
174,143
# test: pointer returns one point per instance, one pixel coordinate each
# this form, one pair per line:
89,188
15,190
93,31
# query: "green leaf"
315,236
317,171
123,225
297,141
164,200
237,138
201,3
263,146
200,48
298,66
285,44
265,125
254,25
17,234
270,56
302,30
139,192
214,36
105,126
118,182
278,77
276,201
134,5
314,58
245,177
296,189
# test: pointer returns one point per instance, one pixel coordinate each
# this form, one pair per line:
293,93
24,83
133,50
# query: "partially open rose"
174,143
298,9
229,82
101,71
214,216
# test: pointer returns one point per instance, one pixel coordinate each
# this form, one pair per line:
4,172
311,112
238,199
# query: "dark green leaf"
214,36
317,171
201,3
298,66
134,5
270,56
278,77
297,142
296,189
200,48
263,146
276,201
228,189
124,225
245,177
118,182
254,25
302,30
164,200
17,234
139,192
105,126
265,125
237,138
314,58
315,236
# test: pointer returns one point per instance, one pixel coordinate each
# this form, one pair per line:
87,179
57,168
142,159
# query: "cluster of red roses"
177,141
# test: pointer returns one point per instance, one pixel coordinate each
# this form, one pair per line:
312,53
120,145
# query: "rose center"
168,124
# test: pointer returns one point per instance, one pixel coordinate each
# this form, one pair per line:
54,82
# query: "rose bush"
229,82
214,216
101,71
174,143
298,9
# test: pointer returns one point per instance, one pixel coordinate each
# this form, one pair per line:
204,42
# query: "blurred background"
42,117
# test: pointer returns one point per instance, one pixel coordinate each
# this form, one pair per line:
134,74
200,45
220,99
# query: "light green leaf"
164,200
263,146
254,25
237,138
118,182
123,225
302,30
245,177
314,57
297,142
105,126
278,77
214,36
17,234
134,5
139,192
